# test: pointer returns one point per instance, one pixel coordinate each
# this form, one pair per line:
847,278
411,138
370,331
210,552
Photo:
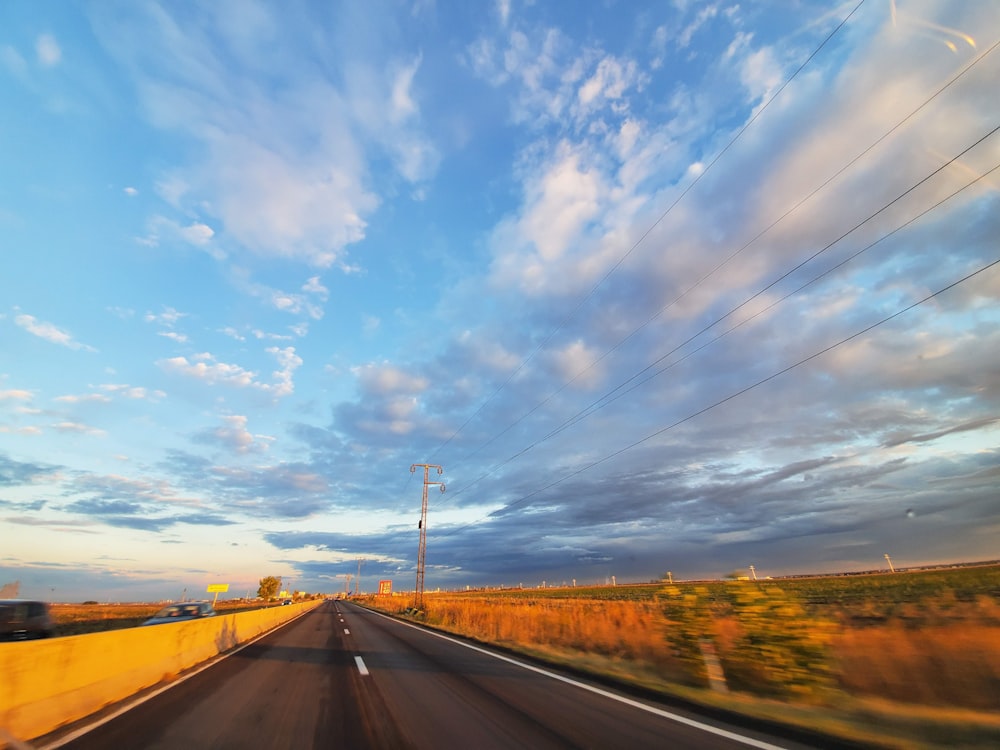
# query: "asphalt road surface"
345,677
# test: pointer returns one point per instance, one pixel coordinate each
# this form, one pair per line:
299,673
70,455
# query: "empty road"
343,676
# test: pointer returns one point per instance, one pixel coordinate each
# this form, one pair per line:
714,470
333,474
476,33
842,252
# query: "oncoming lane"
297,687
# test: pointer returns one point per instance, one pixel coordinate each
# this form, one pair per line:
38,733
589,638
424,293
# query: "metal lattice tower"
422,552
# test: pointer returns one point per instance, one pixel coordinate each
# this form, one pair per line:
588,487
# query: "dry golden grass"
921,670
957,664
951,665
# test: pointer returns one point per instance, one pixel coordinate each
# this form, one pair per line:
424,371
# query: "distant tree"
269,587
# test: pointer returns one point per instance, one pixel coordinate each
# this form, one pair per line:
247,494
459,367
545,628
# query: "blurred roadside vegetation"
905,660
92,617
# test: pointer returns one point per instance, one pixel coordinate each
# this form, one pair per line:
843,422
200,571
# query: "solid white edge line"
591,688
361,665
76,734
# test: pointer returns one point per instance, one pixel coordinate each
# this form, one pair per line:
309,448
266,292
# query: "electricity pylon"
422,552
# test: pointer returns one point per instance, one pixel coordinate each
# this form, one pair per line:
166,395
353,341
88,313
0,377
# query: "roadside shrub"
777,648
688,621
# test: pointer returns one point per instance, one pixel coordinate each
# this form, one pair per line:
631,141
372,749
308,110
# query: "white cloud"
203,367
47,50
285,171
207,369
93,397
49,332
489,353
545,247
262,335
761,74
234,435
197,233
15,395
314,286
132,392
382,379
403,105
172,189
289,362
130,191
576,362
563,200
78,428
27,430
503,10
481,56
704,15
288,302
168,317
610,80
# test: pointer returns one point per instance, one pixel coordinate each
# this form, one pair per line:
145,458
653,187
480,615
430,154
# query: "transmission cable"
583,300
720,402
606,398
727,260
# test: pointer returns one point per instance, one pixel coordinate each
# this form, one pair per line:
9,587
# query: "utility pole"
357,581
753,572
422,551
891,569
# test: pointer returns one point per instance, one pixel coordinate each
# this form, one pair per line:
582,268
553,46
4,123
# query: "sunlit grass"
907,660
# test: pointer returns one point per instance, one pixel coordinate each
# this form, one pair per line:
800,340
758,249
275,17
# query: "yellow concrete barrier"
46,684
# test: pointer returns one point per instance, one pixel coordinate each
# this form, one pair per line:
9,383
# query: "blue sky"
661,286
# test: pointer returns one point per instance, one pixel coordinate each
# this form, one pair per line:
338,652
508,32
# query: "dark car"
286,602
181,612
21,619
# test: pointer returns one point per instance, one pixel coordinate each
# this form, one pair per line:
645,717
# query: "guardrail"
47,684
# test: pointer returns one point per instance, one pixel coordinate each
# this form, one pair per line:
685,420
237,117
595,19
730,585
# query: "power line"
728,398
602,403
607,397
585,412
583,300
727,260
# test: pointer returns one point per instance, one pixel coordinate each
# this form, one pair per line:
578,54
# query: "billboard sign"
385,588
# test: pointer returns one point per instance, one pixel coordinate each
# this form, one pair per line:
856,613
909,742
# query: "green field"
909,594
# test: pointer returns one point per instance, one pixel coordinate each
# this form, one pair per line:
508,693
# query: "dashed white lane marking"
361,665
346,631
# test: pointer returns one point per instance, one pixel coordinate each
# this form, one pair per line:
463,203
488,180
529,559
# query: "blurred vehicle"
21,619
181,612
286,602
